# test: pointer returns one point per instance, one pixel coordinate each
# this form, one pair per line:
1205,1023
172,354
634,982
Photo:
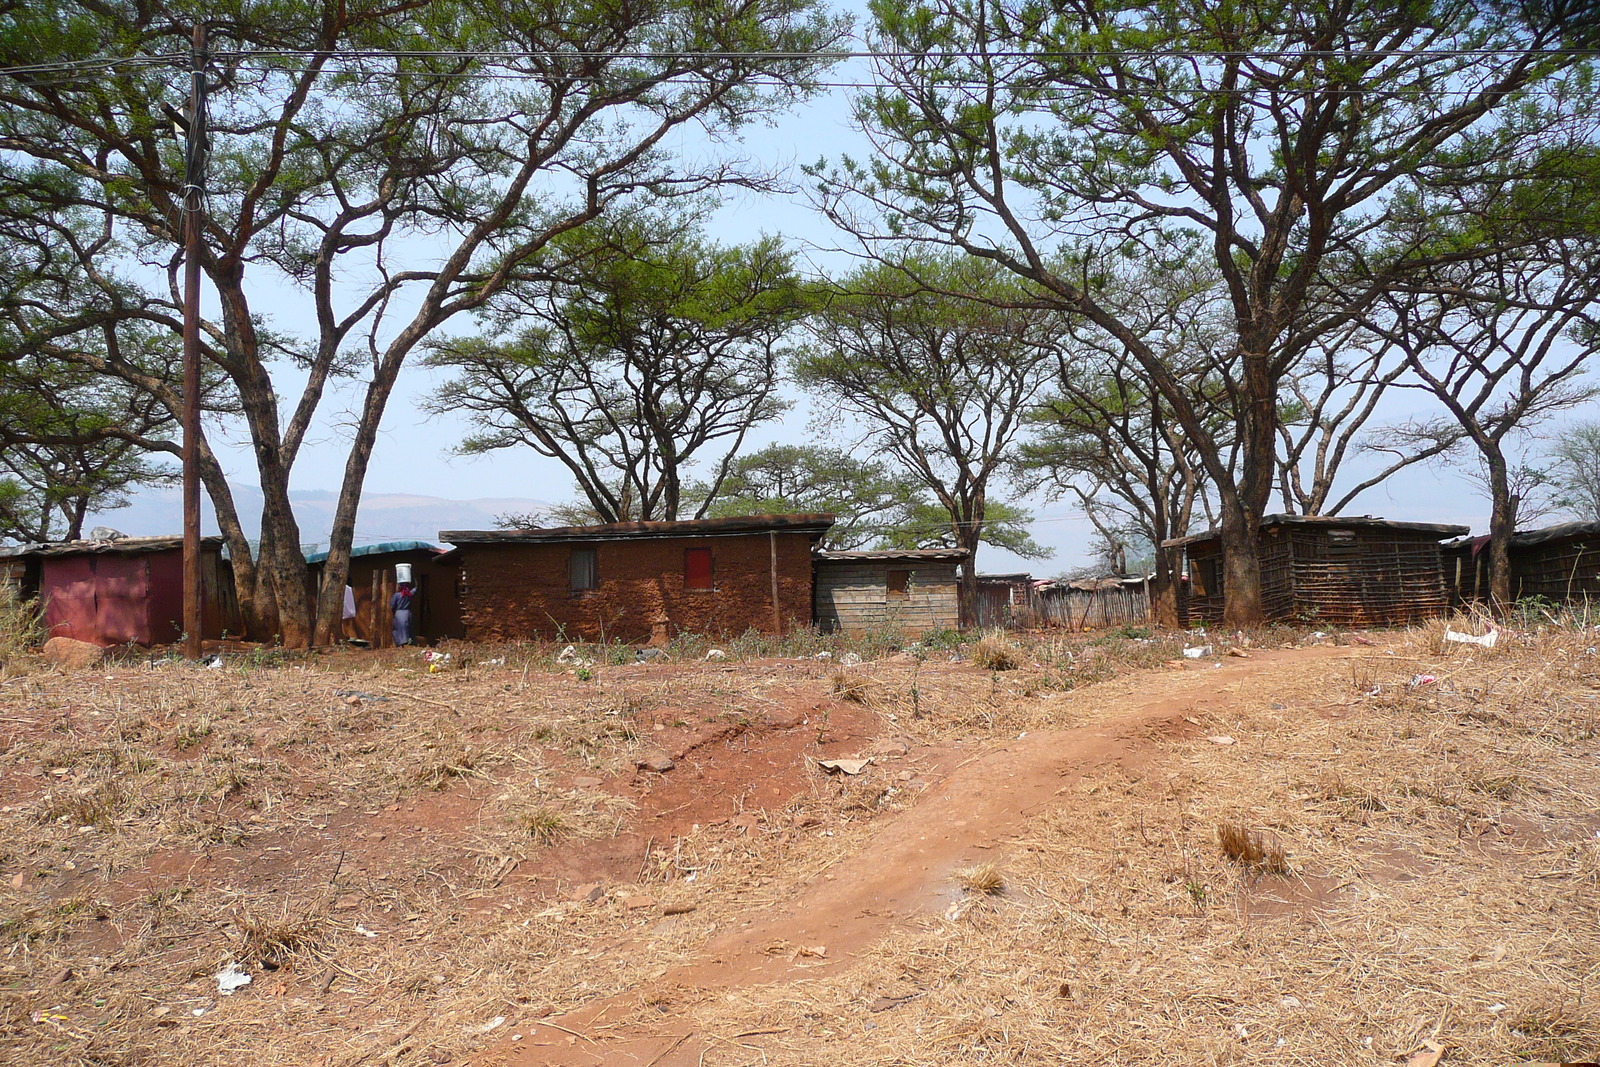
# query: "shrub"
995,651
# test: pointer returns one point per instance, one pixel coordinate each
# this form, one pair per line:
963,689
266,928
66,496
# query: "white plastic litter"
1200,652
1488,640
716,653
231,978
849,659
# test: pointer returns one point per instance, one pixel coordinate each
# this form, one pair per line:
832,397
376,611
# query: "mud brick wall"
512,592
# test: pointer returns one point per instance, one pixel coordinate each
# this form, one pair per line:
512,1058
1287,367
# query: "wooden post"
777,611
388,615
194,202
374,632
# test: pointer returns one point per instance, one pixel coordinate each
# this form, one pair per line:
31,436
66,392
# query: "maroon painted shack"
633,581
130,590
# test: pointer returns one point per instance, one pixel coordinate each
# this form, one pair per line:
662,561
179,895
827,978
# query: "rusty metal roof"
122,546
1527,538
893,555
812,524
1437,529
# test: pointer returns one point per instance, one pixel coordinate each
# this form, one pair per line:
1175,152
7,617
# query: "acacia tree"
1107,439
651,355
385,183
70,442
1268,135
1327,403
1575,469
866,497
939,358
1502,346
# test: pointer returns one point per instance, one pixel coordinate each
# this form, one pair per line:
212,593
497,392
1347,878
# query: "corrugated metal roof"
126,546
814,524
1440,530
910,555
379,549
1528,538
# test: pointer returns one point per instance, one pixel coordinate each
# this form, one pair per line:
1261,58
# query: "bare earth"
478,866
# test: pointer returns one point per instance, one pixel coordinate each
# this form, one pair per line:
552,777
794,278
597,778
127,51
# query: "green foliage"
1274,140
939,357
869,502
654,350
1575,469
378,169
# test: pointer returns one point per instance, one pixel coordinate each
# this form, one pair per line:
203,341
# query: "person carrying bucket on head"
400,605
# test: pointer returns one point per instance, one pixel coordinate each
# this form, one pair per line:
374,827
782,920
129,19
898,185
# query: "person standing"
400,605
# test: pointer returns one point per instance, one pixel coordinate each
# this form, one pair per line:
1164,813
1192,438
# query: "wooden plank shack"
436,611
913,591
1093,603
1558,563
1005,600
1341,571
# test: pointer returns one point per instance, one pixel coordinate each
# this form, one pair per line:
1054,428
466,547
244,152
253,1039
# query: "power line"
507,57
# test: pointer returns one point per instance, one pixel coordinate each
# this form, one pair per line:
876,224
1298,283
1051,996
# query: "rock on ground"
73,654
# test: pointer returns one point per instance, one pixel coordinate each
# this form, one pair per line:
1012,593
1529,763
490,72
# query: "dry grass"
984,879
20,632
852,685
1252,849
274,937
1443,843
996,651
1445,877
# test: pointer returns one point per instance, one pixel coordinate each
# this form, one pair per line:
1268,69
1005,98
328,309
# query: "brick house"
636,581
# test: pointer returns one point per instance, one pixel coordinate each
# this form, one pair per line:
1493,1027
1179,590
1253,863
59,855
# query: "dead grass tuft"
273,938
439,767
542,824
851,686
1251,849
547,816
96,805
996,651
984,879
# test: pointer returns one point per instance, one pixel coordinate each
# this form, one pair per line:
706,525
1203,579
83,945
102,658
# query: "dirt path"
904,869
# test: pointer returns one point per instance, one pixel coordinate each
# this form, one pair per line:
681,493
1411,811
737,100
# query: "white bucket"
402,573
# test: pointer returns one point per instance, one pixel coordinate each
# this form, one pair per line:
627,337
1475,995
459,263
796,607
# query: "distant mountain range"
382,517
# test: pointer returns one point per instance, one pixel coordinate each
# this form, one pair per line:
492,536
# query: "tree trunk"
1243,507
1241,567
336,571
257,612
1502,524
1164,592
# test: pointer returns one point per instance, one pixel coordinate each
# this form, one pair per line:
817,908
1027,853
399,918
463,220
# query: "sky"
413,451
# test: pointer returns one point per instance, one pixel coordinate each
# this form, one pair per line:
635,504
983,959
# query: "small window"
899,583
583,571
697,568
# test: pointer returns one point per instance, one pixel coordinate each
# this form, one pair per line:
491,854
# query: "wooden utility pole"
197,148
